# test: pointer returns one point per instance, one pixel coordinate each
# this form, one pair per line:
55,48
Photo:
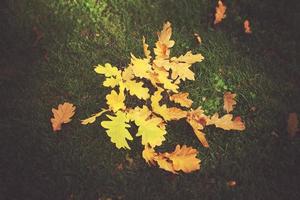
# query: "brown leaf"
229,101
226,122
198,38
247,27
220,12
62,115
292,125
231,183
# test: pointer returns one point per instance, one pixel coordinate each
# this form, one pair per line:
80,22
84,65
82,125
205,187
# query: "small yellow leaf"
107,70
189,58
292,126
220,12
182,99
115,101
229,101
62,115
117,129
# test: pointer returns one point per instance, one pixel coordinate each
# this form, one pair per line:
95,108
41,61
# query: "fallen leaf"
247,27
220,12
292,125
229,101
226,122
164,43
149,155
231,183
182,99
117,129
198,38
92,119
62,115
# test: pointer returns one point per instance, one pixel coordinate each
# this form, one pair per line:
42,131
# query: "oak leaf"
229,101
164,43
92,119
182,99
226,122
149,155
220,12
140,67
145,48
117,129
115,101
247,27
137,89
107,70
62,115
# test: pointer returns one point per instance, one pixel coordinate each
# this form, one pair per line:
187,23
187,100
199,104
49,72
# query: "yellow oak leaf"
151,131
127,74
117,129
181,71
184,158
137,89
149,155
189,58
115,101
229,101
140,67
107,70
247,27
182,99
92,119
160,75
62,115
139,115
197,119
112,81
145,47
226,122
220,12
168,114
292,124
165,164
164,43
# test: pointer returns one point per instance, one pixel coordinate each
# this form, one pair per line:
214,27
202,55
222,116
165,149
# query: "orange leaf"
182,99
164,43
229,101
226,122
247,27
293,122
149,155
62,115
220,12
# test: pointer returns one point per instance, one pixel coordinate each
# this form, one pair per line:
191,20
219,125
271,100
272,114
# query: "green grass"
80,162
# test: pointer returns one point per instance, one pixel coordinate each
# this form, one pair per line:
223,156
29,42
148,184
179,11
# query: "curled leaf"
229,101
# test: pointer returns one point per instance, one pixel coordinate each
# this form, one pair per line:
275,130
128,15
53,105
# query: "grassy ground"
81,163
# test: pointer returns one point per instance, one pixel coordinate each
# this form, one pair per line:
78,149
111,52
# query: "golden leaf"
137,89
220,12
62,115
197,119
92,119
182,99
117,129
140,67
189,58
115,101
229,101
107,70
198,38
164,43
226,122
149,155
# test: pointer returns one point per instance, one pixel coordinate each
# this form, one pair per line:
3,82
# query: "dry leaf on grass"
62,115
229,101
220,12
247,27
